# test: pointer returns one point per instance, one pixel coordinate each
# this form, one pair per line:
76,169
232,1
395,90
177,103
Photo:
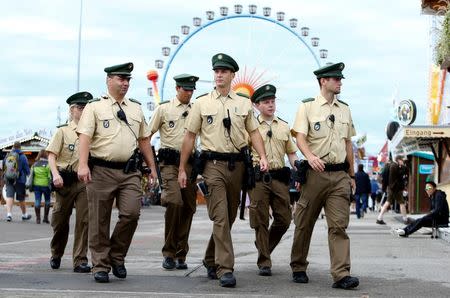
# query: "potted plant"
443,48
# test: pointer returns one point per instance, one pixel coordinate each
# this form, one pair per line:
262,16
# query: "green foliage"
443,48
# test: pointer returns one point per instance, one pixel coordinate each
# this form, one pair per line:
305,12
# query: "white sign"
410,145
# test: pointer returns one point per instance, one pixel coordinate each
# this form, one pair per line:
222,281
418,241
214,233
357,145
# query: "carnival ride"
250,35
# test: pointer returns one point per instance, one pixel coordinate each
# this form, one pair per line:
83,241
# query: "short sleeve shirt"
169,118
64,144
277,144
206,119
113,139
326,127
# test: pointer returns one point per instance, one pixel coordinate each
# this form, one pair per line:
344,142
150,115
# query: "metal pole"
79,46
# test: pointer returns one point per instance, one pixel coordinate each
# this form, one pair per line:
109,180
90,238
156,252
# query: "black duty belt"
282,175
171,156
231,158
336,167
118,165
211,155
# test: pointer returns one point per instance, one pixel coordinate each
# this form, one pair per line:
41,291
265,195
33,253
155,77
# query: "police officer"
111,130
323,129
272,188
169,119
63,162
222,119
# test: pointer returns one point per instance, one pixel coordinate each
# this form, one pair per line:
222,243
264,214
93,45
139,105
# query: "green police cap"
264,92
79,98
333,70
186,81
120,69
224,61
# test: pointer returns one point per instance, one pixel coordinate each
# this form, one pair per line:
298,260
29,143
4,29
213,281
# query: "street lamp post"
79,46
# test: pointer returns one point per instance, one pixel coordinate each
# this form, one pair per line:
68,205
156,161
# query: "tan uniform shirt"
64,144
207,116
111,138
276,146
326,138
169,120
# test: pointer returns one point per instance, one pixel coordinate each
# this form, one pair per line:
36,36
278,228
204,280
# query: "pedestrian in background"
15,172
395,188
363,189
438,215
42,179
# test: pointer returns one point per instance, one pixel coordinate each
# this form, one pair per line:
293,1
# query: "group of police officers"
98,157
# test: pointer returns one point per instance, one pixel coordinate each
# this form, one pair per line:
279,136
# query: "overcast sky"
384,45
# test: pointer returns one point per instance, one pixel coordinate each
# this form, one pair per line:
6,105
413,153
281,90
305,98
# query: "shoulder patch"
94,100
202,95
62,125
135,101
308,99
342,102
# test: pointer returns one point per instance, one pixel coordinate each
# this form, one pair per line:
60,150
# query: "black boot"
37,210
46,211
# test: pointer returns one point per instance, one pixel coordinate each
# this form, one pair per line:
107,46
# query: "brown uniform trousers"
330,190
180,208
109,184
222,200
66,198
275,195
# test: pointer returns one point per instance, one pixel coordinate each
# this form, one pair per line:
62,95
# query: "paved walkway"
387,265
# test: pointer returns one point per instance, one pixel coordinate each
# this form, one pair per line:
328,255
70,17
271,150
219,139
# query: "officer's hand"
353,183
264,164
58,181
152,180
298,186
182,179
84,174
316,164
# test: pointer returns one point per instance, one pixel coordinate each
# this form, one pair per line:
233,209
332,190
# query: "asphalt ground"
387,266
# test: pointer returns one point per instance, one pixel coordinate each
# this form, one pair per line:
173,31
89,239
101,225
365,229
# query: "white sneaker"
400,232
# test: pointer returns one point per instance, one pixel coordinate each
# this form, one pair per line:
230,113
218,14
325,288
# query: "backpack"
11,166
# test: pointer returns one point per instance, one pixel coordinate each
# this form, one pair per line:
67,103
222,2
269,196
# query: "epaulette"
257,119
202,95
62,125
342,102
308,99
243,95
104,96
164,102
282,120
135,101
94,100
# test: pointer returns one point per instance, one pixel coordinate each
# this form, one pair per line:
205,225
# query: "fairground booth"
428,146
427,150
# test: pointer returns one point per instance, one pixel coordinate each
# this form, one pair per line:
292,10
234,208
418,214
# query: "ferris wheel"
268,47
